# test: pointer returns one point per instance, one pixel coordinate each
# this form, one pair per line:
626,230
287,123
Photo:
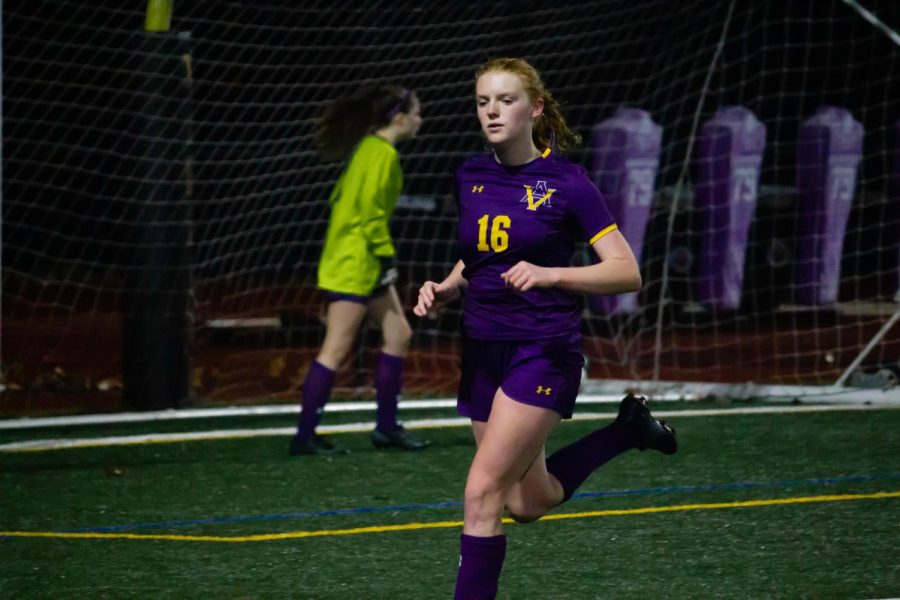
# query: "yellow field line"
292,535
718,505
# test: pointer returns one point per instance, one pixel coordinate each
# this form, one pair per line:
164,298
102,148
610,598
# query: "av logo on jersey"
537,195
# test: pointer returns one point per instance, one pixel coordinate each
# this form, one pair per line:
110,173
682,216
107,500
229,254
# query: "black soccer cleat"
398,438
634,412
315,446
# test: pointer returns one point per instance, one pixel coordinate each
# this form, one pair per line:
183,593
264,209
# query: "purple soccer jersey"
534,212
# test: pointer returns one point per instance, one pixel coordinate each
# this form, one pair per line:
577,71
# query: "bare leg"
387,311
342,323
536,493
510,441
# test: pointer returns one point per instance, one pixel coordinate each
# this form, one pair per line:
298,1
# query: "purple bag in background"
729,158
895,179
828,154
626,151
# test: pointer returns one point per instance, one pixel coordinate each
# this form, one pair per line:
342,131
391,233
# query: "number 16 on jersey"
499,240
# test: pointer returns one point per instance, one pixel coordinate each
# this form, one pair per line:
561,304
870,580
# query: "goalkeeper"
357,267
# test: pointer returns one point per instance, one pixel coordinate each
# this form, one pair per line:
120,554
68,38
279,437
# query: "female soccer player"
357,268
522,208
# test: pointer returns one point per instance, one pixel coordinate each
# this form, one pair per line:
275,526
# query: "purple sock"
388,382
574,463
480,563
316,389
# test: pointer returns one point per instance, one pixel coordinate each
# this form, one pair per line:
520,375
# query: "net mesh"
739,240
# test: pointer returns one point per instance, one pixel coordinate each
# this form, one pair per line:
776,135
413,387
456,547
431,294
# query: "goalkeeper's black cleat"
315,446
398,438
634,412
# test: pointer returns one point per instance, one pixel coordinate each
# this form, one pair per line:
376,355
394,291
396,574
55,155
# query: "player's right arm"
434,296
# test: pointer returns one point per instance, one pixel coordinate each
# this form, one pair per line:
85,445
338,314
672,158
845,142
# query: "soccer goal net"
166,182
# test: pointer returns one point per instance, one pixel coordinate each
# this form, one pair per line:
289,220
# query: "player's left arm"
616,273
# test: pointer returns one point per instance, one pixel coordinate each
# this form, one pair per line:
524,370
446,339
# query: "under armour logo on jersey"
477,188
540,192
542,390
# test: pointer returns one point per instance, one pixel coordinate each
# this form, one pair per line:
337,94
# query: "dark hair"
550,129
347,120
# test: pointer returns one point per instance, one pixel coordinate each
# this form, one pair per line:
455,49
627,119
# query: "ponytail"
551,129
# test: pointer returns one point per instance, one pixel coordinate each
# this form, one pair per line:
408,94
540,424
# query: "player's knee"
523,518
483,498
524,512
399,337
334,353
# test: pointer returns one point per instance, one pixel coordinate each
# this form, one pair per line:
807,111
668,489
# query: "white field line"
274,409
190,436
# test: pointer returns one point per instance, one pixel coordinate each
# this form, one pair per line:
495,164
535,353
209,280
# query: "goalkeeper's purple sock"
480,563
388,382
316,389
574,463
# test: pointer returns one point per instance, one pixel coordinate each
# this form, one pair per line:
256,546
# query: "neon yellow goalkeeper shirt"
362,202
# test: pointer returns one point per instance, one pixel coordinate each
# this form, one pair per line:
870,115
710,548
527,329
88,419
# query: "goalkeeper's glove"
387,274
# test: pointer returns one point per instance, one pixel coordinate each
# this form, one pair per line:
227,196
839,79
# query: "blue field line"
412,507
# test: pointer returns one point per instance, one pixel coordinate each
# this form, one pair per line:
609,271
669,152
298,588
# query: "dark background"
75,150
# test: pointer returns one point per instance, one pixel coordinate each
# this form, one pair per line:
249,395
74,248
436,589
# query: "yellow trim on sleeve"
612,227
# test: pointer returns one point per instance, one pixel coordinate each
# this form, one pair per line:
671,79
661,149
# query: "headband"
404,94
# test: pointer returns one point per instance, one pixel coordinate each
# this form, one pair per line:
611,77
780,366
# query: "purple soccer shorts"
545,373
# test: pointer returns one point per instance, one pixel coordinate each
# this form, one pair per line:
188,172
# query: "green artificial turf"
246,487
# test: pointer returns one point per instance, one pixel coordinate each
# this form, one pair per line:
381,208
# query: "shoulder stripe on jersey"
545,153
612,227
